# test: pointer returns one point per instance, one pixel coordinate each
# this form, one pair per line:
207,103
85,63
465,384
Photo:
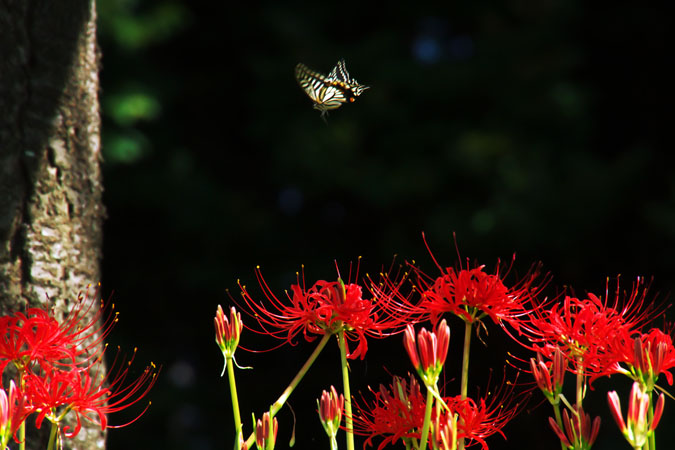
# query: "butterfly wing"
340,73
340,77
322,90
332,97
311,82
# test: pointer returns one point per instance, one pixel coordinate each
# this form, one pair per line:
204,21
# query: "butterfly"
329,92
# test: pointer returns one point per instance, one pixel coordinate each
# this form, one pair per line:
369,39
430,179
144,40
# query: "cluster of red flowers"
59,369
589,337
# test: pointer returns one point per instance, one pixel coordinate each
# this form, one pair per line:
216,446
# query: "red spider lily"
30,337
481,419
37,337
87,393
647,356
266,432
326,307
397,412
13,411
584,328
433,349
579,433
471,294
638,427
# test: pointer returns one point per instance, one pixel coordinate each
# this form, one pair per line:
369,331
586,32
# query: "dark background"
541,128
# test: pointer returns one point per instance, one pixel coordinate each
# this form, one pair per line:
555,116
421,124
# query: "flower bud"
266,432
637,428
330,412
429,352
228,332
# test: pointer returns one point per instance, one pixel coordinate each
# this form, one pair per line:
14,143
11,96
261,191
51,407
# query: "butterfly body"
328,92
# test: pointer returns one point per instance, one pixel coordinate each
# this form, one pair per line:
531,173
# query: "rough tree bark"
50,179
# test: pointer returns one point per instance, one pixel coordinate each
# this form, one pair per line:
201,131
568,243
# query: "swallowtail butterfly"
328,92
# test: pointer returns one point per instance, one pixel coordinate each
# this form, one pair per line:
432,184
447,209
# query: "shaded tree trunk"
50,179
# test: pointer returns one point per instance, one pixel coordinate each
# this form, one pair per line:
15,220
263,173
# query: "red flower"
59,361
396,412
584,328
87,393
485,417
37,337
471,294
326,307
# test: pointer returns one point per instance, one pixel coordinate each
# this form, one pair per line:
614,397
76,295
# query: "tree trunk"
50,178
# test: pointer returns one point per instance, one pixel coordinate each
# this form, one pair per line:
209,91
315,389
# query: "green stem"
651,440
580,382
235,403
558,420
349,419
276,406
427,420
465,372
22,436
22,427
53,435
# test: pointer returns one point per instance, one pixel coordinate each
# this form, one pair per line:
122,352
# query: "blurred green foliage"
536,128
133,25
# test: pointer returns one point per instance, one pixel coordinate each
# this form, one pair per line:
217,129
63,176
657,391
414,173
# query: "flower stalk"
235,404
427,420
465,372
349,418
276,406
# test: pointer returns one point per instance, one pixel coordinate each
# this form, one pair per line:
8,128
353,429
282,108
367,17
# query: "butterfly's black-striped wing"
340,77
311,82
339,72
324,93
